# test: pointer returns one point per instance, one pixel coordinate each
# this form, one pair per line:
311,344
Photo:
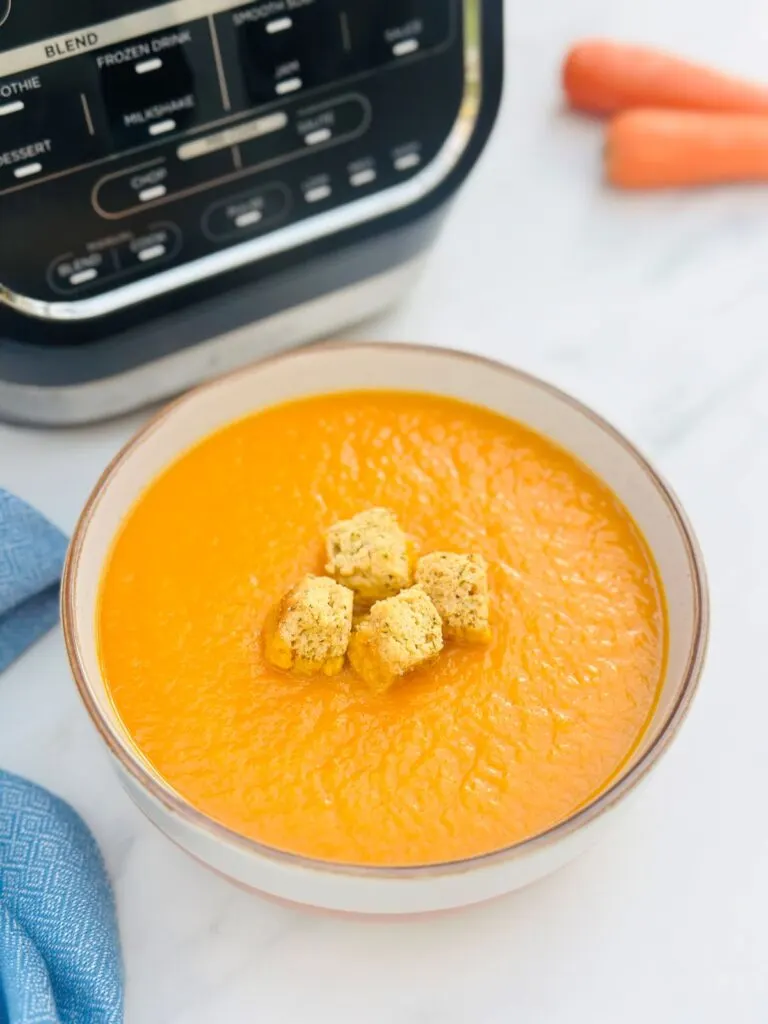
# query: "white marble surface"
655,310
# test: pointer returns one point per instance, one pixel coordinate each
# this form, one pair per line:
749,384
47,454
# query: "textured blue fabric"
59,947
32,553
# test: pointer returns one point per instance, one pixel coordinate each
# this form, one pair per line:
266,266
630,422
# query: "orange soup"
484,747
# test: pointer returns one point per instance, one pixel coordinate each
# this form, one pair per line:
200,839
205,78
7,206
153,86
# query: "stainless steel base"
114,396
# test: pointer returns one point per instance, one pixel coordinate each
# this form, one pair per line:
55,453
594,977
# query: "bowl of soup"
489,765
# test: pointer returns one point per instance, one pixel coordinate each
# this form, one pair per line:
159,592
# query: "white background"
654,309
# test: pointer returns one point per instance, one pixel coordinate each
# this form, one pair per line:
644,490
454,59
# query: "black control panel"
135,141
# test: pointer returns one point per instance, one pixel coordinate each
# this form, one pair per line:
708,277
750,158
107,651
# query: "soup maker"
186,186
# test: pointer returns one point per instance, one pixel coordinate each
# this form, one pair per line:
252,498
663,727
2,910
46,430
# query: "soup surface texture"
486,746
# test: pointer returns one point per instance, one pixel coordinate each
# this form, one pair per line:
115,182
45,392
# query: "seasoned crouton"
400,634
309,629
370,554
458,587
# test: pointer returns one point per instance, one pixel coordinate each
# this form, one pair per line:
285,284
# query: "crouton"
308,632
458,587
370,554
400,634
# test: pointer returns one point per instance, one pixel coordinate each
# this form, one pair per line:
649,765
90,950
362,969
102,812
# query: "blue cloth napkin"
59,947
60,957
32,553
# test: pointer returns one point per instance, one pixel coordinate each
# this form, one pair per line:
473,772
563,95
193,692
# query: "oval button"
156,182
246,213
79,270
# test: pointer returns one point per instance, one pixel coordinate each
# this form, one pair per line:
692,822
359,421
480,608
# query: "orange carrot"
666,148
602,77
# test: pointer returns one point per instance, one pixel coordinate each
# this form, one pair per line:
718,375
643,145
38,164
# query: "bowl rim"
176,805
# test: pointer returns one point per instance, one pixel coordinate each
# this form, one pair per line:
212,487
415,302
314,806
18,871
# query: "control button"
157,181
233,136
318,193
83,276
385,32
24,162
335,119
322,124
70,272
260,208
286,85
405,46
117,193
161,127
408,161
407,158
160,243
27,170
150,84
248,219
317,189
362,173
284,47
279,25
145,66
155,192
319,135
151,252
5,10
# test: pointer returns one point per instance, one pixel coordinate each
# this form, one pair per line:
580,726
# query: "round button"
5,10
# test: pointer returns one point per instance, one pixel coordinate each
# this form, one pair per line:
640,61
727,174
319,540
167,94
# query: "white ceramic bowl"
367,890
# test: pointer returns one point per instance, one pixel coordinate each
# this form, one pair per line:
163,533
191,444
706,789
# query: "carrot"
665,148
602,77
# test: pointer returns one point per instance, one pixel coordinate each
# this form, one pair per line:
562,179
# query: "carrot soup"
482,747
